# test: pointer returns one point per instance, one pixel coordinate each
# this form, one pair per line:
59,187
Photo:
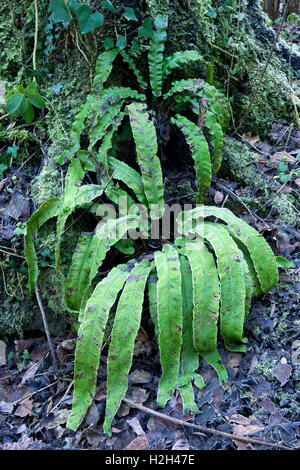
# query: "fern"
189,291
194,285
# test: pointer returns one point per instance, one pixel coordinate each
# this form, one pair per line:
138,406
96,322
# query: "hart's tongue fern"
190,286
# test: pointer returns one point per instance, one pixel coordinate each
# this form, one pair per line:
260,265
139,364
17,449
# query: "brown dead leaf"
139,376
26,443
181,442
6,408
252,139
218,197
141,442
283,156
282,372
30,372
243,426
61,418
21,345
25,408
142,335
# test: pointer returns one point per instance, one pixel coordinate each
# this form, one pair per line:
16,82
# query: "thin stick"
36,32
33,393
264,70
254,215
37,293
235,437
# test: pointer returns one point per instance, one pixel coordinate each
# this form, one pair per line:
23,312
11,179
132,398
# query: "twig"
254,215
36,32
235,437
33,393
39,300
264,70
62,399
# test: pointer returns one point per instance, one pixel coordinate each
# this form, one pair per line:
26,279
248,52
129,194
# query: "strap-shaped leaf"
73,179
144,135
260,252
189,360
90,337
206,298
107,142
191,85
178,59
109,233
216,133
126,324
110,96
232,285
155,55
152,296
103,124
200,153
129,176
87,193
103,68
248,283
169,320
130,62
79,271
46,211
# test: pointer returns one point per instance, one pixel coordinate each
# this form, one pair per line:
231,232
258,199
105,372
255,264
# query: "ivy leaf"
16,104
146,30
108,5
31,88
28,114
37,100
59,12
87,22
108,43
129,14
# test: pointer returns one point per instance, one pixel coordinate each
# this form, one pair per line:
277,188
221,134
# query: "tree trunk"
293,7
271,7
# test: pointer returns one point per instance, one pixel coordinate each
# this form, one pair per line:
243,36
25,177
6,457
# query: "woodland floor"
261,398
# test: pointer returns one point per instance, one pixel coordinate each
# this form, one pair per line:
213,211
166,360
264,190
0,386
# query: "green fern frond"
155,55
179,59
144,135
103,68
126,324
46,211
200,153
169,313
123,172
89,342
191,85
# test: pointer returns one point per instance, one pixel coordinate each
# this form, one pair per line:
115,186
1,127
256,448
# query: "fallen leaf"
26,443
218,197
60,418
282,372
139,377
181,442
25,408
6,408
139,443
251,138
30,372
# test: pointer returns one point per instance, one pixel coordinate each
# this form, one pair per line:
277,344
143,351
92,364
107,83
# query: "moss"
47,184
238,162
287,214
266,368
